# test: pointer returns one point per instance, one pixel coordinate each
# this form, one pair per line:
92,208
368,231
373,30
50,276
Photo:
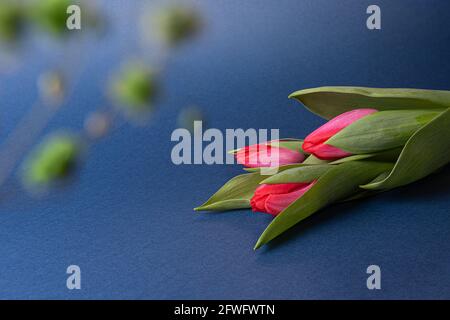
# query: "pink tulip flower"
265,155
274,198
315,142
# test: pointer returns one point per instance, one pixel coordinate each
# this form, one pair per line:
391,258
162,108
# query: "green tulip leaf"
368,193
337,183
313,160
292,144
298,175
384,156
252,169
278,169
425,152
358,196
235,194
355,157
328,102
288,143
381,131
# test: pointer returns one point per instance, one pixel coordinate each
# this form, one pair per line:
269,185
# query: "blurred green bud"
176,23
52,160
187,117
134,88
50,15
11,21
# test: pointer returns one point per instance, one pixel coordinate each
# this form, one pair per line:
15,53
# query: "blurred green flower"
11,20
53,160
176,23
50,15
134,88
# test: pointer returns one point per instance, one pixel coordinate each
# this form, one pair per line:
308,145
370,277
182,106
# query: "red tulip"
274,198
265,155
315,142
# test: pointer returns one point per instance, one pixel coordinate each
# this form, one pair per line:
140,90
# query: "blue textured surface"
127,221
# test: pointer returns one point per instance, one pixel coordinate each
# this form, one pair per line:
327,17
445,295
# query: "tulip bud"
315,142
272,154
274,198
381,131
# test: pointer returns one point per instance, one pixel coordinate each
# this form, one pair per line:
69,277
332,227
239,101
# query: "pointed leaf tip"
257,245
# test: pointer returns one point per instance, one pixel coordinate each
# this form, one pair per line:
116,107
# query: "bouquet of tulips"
375,140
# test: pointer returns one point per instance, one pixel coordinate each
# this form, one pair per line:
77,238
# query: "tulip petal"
281,188
262,155
327,152
275,203
258,202
263,192
315,141
303,174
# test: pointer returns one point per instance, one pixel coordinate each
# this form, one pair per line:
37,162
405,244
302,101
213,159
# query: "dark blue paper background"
128,221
